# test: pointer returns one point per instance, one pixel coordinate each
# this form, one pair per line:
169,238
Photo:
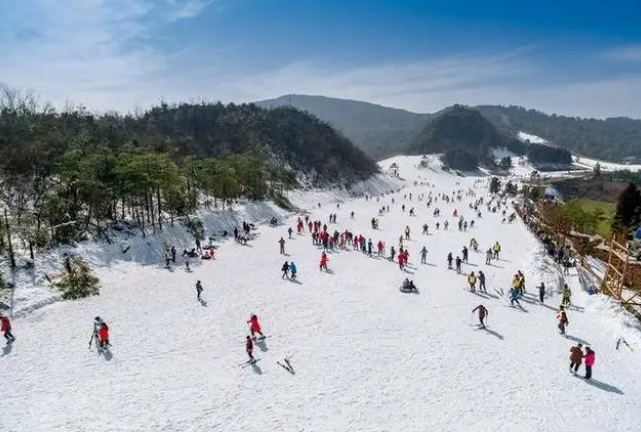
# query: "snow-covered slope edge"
33,290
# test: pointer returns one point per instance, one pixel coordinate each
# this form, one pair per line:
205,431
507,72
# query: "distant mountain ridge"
381,131
377,130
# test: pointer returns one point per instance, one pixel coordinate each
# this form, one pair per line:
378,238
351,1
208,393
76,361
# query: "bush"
282,202
79,282
195,227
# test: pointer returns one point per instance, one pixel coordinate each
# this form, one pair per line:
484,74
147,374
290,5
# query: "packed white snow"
366,357
525,137
605,166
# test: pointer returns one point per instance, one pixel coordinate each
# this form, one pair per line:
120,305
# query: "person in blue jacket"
514,296
292,270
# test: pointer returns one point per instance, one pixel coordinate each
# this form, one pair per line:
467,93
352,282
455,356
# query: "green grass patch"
604,228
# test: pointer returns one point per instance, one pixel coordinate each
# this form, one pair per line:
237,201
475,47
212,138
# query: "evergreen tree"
495,185
628,209
79,281
505,163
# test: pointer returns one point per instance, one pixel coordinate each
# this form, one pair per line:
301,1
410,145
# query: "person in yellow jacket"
521,282
516,284
496,249
471,279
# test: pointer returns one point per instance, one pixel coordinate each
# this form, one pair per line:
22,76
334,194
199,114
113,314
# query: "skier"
590,358
563,321
249,348
167,258
254,326
290,231
458,265
483,313
449,260
97,323
576,358
5,327
488,257
497,250
482,282
103,336
186,259
521,282
471,279
199,290
323,261
281,243
465,253
424,255
426,229
514,297
285,270
541,292
567,295
293,270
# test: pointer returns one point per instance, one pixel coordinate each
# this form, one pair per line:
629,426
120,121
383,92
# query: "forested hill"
32,141
611,139
73,170
379,131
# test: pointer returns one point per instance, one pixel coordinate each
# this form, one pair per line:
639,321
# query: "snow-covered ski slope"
366,357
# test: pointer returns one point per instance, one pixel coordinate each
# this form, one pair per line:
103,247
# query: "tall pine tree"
628,209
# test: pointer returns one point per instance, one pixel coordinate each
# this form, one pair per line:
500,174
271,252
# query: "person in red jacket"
254,326
590,358
5,327
323,261
103,336
249,348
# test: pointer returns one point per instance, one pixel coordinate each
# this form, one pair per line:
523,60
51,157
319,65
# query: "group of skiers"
577,356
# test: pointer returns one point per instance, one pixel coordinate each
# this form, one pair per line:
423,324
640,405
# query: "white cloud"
626,54
88,51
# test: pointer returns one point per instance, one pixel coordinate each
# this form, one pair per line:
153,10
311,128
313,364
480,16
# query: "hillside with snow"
364,356
526,137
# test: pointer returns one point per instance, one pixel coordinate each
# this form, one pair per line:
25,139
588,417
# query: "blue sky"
574,58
